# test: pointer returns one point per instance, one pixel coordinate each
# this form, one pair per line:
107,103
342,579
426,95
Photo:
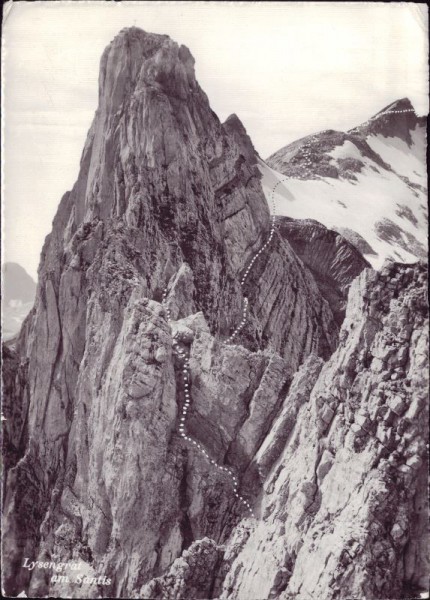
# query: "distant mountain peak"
18,294
17,283
370,181
397,119
402,104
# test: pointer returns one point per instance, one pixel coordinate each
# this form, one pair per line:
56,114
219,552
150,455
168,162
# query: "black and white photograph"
215,317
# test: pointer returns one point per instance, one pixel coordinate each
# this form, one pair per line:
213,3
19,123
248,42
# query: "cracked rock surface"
338,516
322,419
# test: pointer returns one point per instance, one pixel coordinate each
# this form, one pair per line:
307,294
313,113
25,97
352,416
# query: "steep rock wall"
343,508
166,195
342,494
333,261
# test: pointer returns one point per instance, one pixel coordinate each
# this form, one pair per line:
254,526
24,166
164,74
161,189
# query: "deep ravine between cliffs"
319,407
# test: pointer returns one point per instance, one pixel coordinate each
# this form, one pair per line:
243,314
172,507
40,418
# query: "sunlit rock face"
322,426
345,460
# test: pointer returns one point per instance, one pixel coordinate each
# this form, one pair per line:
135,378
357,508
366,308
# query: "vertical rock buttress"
165,193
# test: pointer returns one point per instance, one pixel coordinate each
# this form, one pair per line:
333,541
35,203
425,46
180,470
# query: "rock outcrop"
322,432
344,467
15,407
332,259
338,513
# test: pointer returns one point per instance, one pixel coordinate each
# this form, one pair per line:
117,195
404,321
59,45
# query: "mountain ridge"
179,179
370,180
160,250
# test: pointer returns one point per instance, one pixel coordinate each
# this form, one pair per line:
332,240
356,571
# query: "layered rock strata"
322,432
343,507
332,259
165,193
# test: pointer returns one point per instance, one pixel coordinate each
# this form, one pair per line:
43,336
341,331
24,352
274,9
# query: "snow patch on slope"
375,197
409,161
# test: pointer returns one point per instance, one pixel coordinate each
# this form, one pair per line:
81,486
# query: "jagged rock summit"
321,427
166,196
400,121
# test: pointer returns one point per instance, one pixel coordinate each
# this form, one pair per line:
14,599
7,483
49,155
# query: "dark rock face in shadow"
332,260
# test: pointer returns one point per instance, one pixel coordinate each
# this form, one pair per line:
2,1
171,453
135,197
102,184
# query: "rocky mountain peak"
17,283
150,109
368,183
153,245
401,105
397,119
159,164
234,126
18,293
136,59
184,417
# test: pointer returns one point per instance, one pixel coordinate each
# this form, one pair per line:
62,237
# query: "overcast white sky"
286,69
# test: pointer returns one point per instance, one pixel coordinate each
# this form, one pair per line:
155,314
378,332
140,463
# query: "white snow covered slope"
369,184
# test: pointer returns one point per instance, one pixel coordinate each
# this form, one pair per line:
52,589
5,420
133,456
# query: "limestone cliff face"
165,193
338,513
332,259
343,504
167,196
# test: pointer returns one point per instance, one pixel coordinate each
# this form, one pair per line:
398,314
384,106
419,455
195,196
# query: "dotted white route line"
241,324
387,112
247,271
186,369
182,431
185,360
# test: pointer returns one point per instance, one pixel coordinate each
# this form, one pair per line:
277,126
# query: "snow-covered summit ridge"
369,183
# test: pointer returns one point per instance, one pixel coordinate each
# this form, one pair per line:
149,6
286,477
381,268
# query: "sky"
286,69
